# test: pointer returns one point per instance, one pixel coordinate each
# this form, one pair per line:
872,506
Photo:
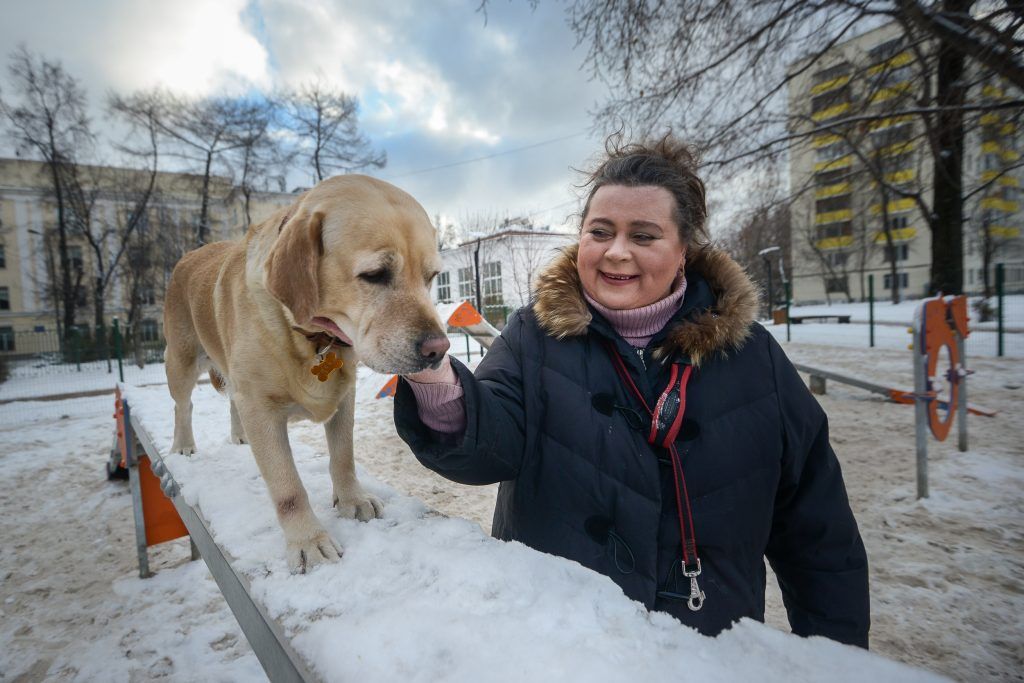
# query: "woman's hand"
445,374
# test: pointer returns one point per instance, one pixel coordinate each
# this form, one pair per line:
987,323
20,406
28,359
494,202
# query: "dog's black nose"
434,348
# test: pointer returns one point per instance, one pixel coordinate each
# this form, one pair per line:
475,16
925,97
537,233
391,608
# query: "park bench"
828,317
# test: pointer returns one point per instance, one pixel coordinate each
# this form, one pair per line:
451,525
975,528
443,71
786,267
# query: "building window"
149,331
466,282
492,284
148,296
444,287
3,257
902,278
897,222
75,258
7,339
898,252
5,299
837,258
835,284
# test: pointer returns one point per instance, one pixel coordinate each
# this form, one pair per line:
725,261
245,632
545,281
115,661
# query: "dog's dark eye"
381,276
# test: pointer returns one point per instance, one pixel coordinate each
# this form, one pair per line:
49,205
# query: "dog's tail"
218,381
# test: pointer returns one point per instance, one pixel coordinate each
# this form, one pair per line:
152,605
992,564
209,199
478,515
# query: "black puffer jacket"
578,481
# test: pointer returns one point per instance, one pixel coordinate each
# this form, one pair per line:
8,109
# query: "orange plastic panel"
464,316
958,307
389,388
162,520
940,330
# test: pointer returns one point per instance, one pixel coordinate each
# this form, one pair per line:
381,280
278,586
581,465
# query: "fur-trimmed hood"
562,311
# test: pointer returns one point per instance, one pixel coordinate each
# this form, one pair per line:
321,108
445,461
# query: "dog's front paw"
305,554
183,448
359,505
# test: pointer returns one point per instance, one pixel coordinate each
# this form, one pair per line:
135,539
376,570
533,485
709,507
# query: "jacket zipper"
640,352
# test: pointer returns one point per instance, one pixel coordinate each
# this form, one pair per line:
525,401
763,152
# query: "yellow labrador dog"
343,274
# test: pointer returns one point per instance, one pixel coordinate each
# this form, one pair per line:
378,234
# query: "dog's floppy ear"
294,265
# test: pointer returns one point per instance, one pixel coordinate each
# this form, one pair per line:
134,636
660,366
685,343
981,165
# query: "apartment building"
852,216
504,263
28,216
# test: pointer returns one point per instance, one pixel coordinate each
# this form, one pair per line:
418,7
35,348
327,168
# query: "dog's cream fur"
353,257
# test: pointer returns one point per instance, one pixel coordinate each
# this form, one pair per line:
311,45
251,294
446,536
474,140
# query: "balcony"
1000,204
898,235
890,92
1000,177
1003,231
835,242
841,162
833,217
894,62
832,84
896,149
830,112
895,206
902,176
833,190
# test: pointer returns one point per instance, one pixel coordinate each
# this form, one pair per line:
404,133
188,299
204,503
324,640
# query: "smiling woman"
641,423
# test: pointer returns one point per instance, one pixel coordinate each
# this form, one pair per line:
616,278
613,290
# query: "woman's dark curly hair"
667,163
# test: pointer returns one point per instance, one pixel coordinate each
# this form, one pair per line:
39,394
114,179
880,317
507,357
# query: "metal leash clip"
696,600
321,352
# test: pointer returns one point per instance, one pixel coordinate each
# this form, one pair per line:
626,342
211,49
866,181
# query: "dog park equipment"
939,323
416,591
461,316
939,329
161,514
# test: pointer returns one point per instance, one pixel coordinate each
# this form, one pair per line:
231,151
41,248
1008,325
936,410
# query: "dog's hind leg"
182,372
350,499
237,430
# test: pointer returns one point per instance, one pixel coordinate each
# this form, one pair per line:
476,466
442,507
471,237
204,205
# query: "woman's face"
630,251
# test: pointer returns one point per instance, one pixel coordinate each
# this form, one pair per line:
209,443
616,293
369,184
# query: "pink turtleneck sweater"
439,395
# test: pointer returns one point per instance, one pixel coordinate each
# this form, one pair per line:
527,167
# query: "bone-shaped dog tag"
324,368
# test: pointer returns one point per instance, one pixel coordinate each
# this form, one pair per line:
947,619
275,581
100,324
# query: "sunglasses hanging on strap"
666,420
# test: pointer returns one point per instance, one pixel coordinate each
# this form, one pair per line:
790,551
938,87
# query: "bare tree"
202,133
49,121
766,227
324,124
261,159
717,71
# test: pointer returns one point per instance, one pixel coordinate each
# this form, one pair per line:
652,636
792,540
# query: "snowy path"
947,575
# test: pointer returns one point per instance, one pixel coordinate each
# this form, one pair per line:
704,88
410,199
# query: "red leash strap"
666,420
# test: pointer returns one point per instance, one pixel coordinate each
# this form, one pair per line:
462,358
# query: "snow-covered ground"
947,573
892,322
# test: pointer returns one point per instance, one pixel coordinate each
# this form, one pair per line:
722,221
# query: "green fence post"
999,297
871,310
789,296
118,351
469,356
76,341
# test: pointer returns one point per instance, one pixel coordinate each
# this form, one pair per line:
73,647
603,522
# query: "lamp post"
768,269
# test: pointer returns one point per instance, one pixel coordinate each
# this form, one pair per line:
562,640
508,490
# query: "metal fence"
40,369
996,323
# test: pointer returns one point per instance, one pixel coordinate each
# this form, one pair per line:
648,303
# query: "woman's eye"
600,233
381,276
643,238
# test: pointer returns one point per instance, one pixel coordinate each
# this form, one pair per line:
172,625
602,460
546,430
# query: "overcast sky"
437,84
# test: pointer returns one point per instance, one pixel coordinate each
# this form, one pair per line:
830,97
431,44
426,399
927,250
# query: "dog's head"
355,258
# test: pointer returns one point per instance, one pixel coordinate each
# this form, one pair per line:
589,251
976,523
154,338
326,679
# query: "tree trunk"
947,272
204,208
67,290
